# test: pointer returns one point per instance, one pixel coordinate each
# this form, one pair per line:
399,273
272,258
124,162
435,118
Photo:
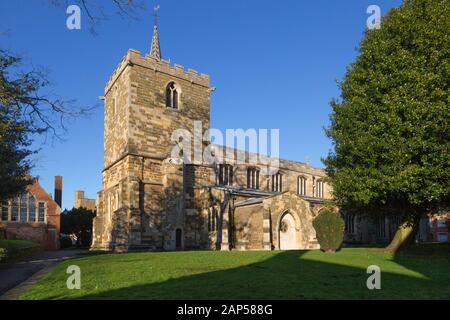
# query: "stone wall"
147,198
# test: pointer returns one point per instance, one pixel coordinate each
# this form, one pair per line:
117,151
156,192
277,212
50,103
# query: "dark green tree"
329,227
390,128
13,156
78,221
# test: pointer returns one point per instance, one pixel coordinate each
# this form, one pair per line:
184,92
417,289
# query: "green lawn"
10,244
14,250
422,273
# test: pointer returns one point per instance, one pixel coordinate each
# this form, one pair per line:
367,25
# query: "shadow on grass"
296,275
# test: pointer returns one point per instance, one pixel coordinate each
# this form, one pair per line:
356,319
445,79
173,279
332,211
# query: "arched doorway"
178,239
287,233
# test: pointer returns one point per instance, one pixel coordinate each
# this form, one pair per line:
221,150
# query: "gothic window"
277,182
301,186
350,223
32,209
253,178
172,96
21,208
225,175
41,212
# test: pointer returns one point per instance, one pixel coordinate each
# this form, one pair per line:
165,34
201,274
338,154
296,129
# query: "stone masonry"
149,201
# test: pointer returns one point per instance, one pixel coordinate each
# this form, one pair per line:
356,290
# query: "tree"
78,221
13,157
329,227
25,110
390,129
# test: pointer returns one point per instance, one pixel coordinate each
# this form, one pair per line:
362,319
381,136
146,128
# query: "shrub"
65,242
329,228
86,239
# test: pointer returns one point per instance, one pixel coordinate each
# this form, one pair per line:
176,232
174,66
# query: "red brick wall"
435,229
46,234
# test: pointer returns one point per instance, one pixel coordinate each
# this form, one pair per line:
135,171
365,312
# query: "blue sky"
274,63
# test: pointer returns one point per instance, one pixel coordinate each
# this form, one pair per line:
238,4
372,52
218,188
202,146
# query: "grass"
14,250
10,244
422,273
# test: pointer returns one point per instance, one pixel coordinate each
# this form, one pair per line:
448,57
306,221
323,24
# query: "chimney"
58,190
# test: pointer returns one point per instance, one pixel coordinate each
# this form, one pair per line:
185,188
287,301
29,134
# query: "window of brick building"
21,209
32,209
41,212
15,209
441,223
252,178
24,207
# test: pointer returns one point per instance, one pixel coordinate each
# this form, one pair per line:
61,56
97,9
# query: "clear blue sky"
274,63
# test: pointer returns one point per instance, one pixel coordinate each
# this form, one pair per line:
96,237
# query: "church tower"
141,204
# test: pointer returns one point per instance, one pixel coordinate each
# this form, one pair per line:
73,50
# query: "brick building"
440,227
33,215
149,200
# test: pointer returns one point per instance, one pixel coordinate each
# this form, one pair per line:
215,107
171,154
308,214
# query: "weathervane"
155,10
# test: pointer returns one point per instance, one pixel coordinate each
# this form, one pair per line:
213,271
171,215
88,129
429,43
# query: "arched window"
172,96
22,208
301,186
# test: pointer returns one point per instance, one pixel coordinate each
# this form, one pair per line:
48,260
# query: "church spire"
155,50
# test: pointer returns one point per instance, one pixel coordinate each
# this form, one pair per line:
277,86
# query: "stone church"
150,202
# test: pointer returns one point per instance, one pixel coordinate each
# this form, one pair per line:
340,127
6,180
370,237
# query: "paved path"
21,275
